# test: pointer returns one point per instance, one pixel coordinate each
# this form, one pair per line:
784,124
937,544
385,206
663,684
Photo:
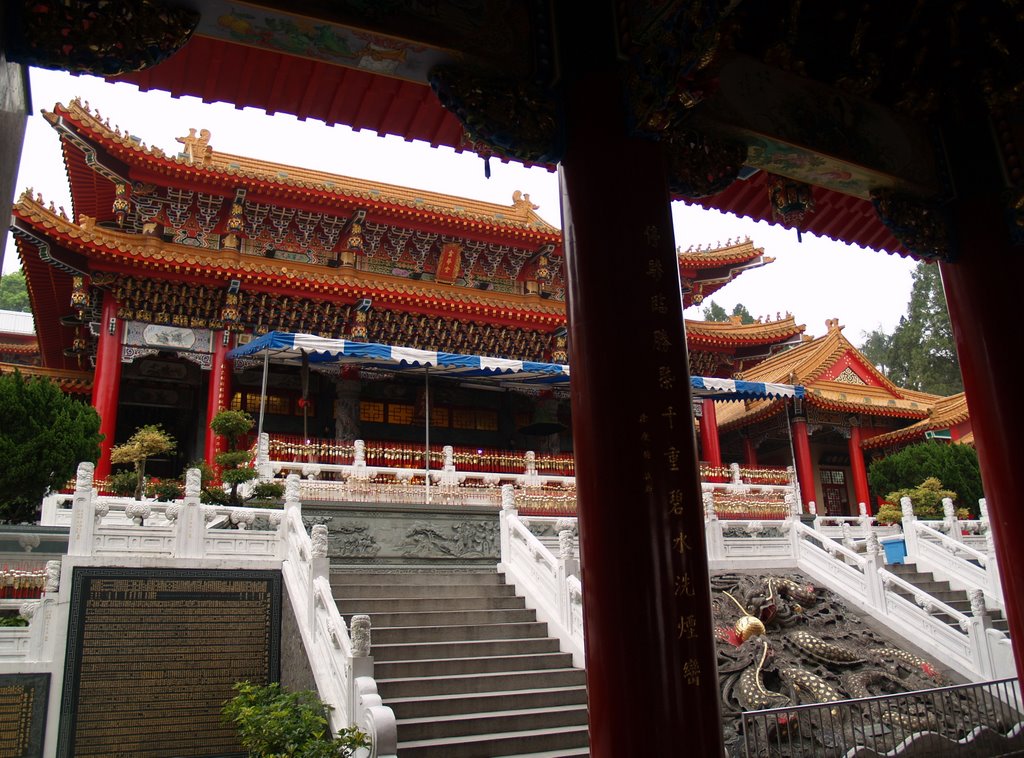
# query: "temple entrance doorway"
167,390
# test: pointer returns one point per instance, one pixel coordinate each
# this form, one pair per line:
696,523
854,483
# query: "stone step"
465,649
407,687
452,618
441,705
438,592
466,724
457,666
349,606
438,578
507,744
456,633
567,753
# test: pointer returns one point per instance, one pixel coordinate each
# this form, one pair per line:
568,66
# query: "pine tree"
44,435
714,312
920,353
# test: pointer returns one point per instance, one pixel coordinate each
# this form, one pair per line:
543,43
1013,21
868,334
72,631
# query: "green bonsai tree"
234,462
926,498
148,440
956,466
272,723
44,435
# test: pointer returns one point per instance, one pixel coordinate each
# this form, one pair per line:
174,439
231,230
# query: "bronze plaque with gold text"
153,654
23,700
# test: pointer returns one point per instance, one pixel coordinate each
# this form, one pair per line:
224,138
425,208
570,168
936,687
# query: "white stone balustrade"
549,582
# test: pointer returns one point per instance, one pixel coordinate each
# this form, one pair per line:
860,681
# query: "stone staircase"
940,590
467,669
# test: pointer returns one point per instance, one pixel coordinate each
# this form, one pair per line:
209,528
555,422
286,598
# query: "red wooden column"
749,452
983,295
859,470
651,673
709,444
802,452
106,383
219,396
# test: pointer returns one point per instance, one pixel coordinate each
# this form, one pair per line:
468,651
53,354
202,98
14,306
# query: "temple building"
850,413
166,262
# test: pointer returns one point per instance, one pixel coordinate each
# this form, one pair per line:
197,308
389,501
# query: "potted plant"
274,723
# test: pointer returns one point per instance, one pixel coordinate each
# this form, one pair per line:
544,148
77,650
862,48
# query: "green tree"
273,723
714,312
956,466
14,292
148,440
233,424
741,310
920,353
44,435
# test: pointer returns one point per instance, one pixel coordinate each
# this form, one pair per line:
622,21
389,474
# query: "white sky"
814,280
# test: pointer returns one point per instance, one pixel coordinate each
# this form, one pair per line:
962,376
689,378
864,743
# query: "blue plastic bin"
895,549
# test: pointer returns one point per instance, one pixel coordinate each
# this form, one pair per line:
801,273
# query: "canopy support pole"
263,392
426,436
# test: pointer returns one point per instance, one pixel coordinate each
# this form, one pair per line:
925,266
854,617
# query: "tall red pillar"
106,383
858,470
983,295
709,443
749,452
650,650
802,453
219,395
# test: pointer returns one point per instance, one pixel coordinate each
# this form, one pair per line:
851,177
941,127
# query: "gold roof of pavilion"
199,157
69,381
807,364
116,247
733,333
946,413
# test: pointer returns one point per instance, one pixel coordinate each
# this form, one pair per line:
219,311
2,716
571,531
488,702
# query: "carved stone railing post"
292,492
508,509
909,528
531,478
263,467
83,512
812,508
53,571
864,518
362,660
734,473
319,566
874,561
847,539
995,585
359,454
712,528
568,565
190,535
950,522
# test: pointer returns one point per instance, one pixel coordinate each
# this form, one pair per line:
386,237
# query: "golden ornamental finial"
197,149
522,202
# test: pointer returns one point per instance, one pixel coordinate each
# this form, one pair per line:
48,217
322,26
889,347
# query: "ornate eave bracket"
502,116
699,165
923,228
94,36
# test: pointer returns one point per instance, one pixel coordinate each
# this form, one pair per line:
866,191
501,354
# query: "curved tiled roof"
944,414
69,381
731,252
807,364
519,215
123,248
732,333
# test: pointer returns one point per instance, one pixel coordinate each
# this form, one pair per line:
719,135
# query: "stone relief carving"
467,539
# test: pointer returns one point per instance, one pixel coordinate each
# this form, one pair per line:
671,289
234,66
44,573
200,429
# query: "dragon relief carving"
782,642
467,539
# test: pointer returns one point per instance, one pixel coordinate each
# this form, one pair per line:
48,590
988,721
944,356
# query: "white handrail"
548,582
953,546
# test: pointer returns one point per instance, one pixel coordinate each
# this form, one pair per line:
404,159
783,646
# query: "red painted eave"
217,71
836,216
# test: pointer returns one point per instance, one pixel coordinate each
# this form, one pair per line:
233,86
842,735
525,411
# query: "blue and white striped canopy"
735,389
284,347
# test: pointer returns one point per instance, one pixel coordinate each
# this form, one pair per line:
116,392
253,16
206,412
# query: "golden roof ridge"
520,214
182,255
